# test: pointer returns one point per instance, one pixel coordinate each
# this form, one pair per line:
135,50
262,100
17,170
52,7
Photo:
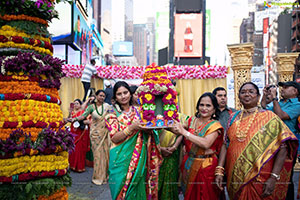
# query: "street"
83,188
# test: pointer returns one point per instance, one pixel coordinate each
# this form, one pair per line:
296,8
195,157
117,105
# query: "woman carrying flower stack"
260,151
203,140
99,136
134,155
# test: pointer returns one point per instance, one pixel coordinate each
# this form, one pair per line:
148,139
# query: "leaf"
28,187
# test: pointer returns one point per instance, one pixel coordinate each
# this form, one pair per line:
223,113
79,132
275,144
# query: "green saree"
134,163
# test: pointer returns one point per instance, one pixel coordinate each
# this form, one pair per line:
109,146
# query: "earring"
214,115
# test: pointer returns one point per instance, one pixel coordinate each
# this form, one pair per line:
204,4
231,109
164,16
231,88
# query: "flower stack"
156,87
33,143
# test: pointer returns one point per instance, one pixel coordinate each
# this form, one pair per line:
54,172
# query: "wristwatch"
276,176
275,99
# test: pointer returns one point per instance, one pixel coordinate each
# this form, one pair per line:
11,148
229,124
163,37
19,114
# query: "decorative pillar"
241,64
285,66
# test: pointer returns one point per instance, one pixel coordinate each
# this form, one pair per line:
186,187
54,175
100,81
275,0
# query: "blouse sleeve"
88,110
112,124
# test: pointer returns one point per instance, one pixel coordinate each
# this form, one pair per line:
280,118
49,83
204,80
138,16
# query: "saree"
249,163
77,157
133,163
100,141
199,170
169,170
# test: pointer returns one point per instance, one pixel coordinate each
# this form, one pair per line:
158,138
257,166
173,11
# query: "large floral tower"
33,145
158,98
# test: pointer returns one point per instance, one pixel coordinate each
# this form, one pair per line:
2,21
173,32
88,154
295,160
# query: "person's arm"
269,185
176,144
263,102
128,131
85,104
276,107
278,111
221,163
203,142
88,111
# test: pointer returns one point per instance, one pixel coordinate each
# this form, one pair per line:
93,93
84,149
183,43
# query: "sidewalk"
83,188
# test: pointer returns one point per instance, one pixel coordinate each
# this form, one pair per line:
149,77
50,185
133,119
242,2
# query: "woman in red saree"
260,152
203,141
77,157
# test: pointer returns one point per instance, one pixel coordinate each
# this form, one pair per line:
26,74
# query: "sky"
143,9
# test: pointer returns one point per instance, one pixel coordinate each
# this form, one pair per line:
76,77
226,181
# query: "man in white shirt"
87,73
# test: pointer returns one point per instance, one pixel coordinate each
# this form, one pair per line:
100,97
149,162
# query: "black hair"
133,88
173,82
251,83
214,103
93,60
79,101
98,91
218,89
117,86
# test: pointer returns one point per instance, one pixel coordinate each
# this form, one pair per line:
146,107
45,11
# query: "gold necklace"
251,110
241,135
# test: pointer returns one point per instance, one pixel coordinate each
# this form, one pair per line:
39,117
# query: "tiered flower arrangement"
33,143
156,82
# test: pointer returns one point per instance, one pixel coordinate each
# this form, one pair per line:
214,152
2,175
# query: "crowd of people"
250,153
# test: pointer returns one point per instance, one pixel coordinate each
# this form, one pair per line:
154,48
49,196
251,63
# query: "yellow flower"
169,97
170,113
148,97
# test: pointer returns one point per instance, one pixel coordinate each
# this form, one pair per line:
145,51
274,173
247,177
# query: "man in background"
108,91
86,77
288,110
225,111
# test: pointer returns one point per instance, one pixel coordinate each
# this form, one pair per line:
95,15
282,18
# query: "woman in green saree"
134,156
169,171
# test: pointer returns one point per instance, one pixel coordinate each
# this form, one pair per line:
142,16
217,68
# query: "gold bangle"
126,132
220,167
219,174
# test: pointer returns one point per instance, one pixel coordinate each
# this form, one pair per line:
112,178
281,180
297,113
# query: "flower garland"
34,132
32,175
27,87
61,194
24,164
37,97
34,188
30,66
23,18
25,113
7,31
21,40
26,46
43,9
136,72
48,141
29,27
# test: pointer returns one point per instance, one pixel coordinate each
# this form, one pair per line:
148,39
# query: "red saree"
77,157
199,173
249,163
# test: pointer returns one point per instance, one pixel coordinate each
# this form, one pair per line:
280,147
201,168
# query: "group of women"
254,153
